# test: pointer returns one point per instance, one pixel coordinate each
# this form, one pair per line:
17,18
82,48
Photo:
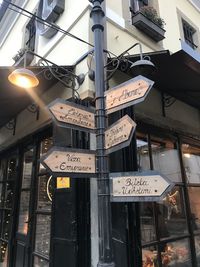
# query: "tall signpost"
104,206
63,161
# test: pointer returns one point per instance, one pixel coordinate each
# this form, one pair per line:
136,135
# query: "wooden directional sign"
127,94
138,186
69,114
73,162
119,134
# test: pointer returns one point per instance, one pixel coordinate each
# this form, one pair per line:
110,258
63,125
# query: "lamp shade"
23,78
143,67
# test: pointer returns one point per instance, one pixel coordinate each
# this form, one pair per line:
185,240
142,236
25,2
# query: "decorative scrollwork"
11,124
168,100
33,108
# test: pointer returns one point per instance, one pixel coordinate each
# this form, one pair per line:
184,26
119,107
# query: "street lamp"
25,78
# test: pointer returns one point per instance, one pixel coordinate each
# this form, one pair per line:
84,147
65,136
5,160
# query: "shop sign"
69,114
49,11
119,134
63,182
138,186
60,161
127,94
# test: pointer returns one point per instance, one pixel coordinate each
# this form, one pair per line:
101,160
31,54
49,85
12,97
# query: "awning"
178,74
14,99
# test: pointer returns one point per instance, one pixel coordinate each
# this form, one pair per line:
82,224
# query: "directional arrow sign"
136,186
62,161
127,94
119,134
69,114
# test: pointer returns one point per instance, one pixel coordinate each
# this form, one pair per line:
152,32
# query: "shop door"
22,241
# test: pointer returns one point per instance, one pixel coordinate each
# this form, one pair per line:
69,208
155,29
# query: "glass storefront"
45,186
165,224
8,171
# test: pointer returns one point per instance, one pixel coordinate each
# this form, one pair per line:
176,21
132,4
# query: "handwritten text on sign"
130,186
127,94
119,132
70,162
73,114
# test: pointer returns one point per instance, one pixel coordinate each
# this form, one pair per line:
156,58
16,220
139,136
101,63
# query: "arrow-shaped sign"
62,161
139,186
69,114
119,134
127,94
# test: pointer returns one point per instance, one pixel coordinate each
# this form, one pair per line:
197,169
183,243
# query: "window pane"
42,238
38,262
24,212
194,193
148,232
165,158
6,224
149,257
143,161
171,214
12,168
191,159
197,247
3,254
27,168
45,189
2,170
176,254
1,195
46,144
9,194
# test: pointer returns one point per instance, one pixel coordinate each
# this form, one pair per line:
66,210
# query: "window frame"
190,235
8,20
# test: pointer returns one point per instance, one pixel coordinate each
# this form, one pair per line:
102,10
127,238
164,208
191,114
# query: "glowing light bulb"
23,81
187,155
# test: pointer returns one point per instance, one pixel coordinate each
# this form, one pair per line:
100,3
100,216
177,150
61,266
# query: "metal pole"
104,206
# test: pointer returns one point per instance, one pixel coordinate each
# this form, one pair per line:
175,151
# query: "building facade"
53,221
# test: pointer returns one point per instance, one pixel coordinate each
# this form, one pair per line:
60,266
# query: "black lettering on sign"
49,10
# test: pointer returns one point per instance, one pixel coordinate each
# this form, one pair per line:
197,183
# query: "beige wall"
64,50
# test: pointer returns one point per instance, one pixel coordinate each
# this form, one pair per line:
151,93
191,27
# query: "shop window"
171,214
3,254
194,197
46,144
197,248
25,192
147,220
189,34
45,192
45,186
191,160
176,254
173,254
149,257
8,172
42,237
38,262
2,170
165,158
143,160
